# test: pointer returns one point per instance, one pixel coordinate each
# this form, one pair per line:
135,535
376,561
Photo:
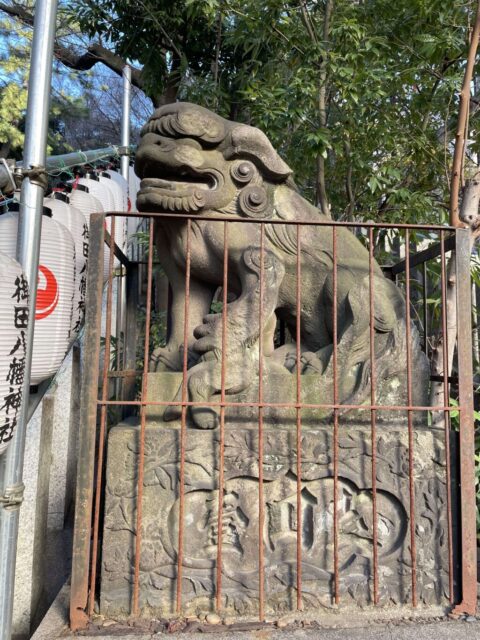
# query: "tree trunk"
462,125
321,190
470,215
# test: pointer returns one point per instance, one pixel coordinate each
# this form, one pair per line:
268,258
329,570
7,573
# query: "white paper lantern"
119,195
55,290
133,222
13,334
133,187
120,204
88,204
105,193
120,180
84,201
73,219
101,191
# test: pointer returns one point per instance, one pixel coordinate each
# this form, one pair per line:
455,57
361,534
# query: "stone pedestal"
241,537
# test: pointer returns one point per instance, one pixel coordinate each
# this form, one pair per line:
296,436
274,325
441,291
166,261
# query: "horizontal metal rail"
321,222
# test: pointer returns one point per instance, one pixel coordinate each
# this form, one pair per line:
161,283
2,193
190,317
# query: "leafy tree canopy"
360,96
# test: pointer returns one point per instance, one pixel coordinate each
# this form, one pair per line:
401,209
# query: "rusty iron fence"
124,368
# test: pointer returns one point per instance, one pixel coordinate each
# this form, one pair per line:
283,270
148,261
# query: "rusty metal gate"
103,404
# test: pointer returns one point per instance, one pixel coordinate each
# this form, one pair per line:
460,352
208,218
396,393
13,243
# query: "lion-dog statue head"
192,160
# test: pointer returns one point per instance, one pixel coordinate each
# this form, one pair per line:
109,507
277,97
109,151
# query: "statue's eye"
242,171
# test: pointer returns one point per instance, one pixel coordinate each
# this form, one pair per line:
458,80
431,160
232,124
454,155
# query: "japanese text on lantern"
16,369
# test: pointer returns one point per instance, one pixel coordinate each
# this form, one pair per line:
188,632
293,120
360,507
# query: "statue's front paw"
311,363
169,359
165,359
205,417
208,334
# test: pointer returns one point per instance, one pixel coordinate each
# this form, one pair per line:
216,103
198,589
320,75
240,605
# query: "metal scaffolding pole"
129,227
28,249
125,138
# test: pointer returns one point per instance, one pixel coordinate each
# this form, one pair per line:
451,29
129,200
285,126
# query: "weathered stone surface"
193,161
280,387
240,516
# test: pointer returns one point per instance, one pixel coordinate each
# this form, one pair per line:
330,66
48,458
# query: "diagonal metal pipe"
70,160
28,249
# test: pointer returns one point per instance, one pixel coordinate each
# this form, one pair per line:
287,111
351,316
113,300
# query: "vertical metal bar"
103,420
467,423
87,426
373,416
74,421
425,308
298,306
141,453
411,485
336,582
183,430
119,316
128,228
125,134
28,250
261,508
128,389
221,445
446,414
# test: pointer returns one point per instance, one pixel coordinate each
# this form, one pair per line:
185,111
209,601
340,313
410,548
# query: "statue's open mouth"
179,193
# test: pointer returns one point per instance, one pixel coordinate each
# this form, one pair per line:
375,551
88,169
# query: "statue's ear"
248,142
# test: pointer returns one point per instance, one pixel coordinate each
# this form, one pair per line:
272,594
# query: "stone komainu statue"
193,161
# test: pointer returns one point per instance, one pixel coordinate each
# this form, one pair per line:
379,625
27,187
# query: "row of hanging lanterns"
61,284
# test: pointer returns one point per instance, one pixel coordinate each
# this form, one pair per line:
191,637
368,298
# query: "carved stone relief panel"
240,522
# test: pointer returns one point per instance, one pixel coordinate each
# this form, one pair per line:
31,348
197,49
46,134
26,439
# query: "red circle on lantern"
47,295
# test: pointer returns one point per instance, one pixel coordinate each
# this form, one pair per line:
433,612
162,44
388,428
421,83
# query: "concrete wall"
45,534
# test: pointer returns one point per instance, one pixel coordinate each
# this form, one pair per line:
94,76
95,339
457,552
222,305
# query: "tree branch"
17,11
95,53
307,21
469,215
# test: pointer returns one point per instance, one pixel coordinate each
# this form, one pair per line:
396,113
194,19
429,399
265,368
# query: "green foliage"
13,91
390,73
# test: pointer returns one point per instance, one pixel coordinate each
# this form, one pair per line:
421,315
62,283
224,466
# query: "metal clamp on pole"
12,497
124,151
37,175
